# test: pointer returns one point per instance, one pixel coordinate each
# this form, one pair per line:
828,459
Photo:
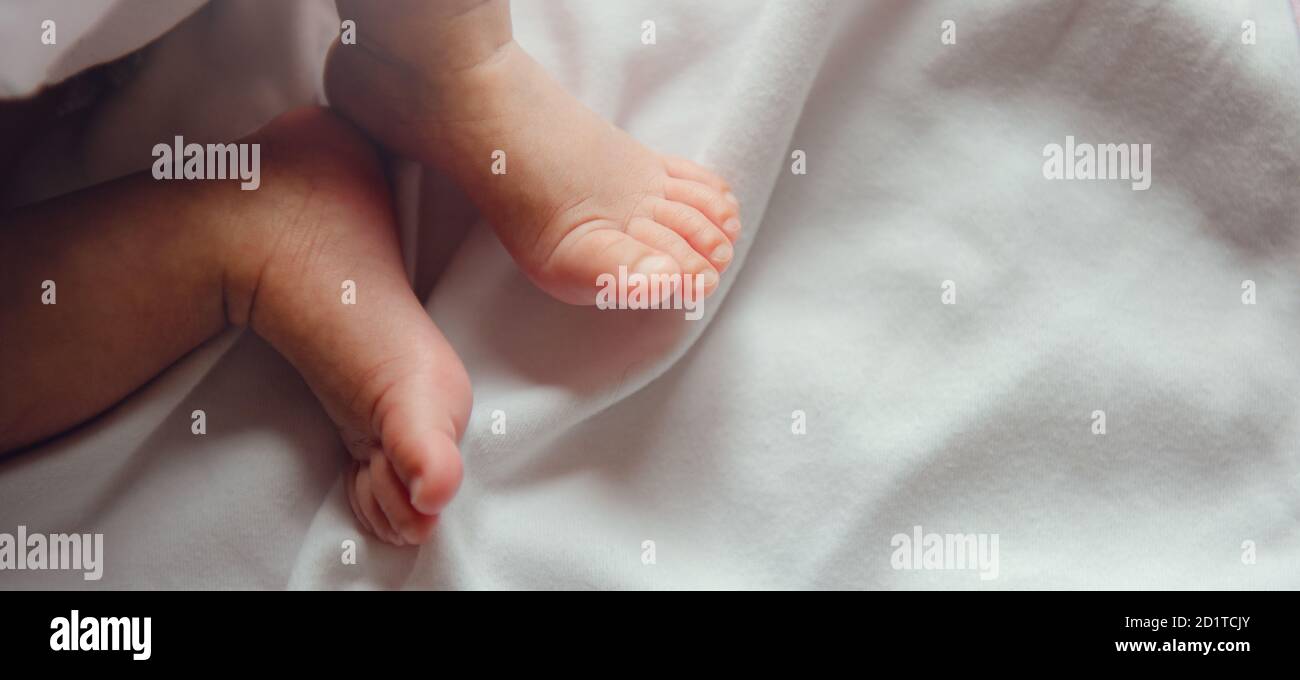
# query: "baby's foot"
384,373
443,83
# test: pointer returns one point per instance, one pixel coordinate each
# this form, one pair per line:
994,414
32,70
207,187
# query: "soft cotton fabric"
632,434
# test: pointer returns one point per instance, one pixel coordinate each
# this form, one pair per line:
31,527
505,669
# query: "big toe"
420,421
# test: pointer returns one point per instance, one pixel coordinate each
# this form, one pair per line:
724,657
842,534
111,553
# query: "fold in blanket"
48,42
917,336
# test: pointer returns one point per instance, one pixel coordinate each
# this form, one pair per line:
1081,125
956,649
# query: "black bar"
329,630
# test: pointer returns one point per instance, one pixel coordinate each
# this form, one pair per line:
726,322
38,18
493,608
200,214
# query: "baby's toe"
682,168
413,526
350,484
420,420
721,208
701,233
366,507
670,241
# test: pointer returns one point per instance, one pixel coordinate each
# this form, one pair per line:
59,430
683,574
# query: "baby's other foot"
578,198
318,234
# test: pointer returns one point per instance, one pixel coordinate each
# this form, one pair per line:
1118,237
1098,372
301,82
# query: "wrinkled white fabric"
924,165
46,42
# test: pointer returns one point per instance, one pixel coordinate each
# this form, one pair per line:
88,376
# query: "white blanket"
630,436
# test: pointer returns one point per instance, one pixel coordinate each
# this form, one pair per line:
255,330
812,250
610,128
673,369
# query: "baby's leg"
442,81
146,270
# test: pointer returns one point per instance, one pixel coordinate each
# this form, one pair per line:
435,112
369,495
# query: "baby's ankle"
435,39
426,107
319,173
